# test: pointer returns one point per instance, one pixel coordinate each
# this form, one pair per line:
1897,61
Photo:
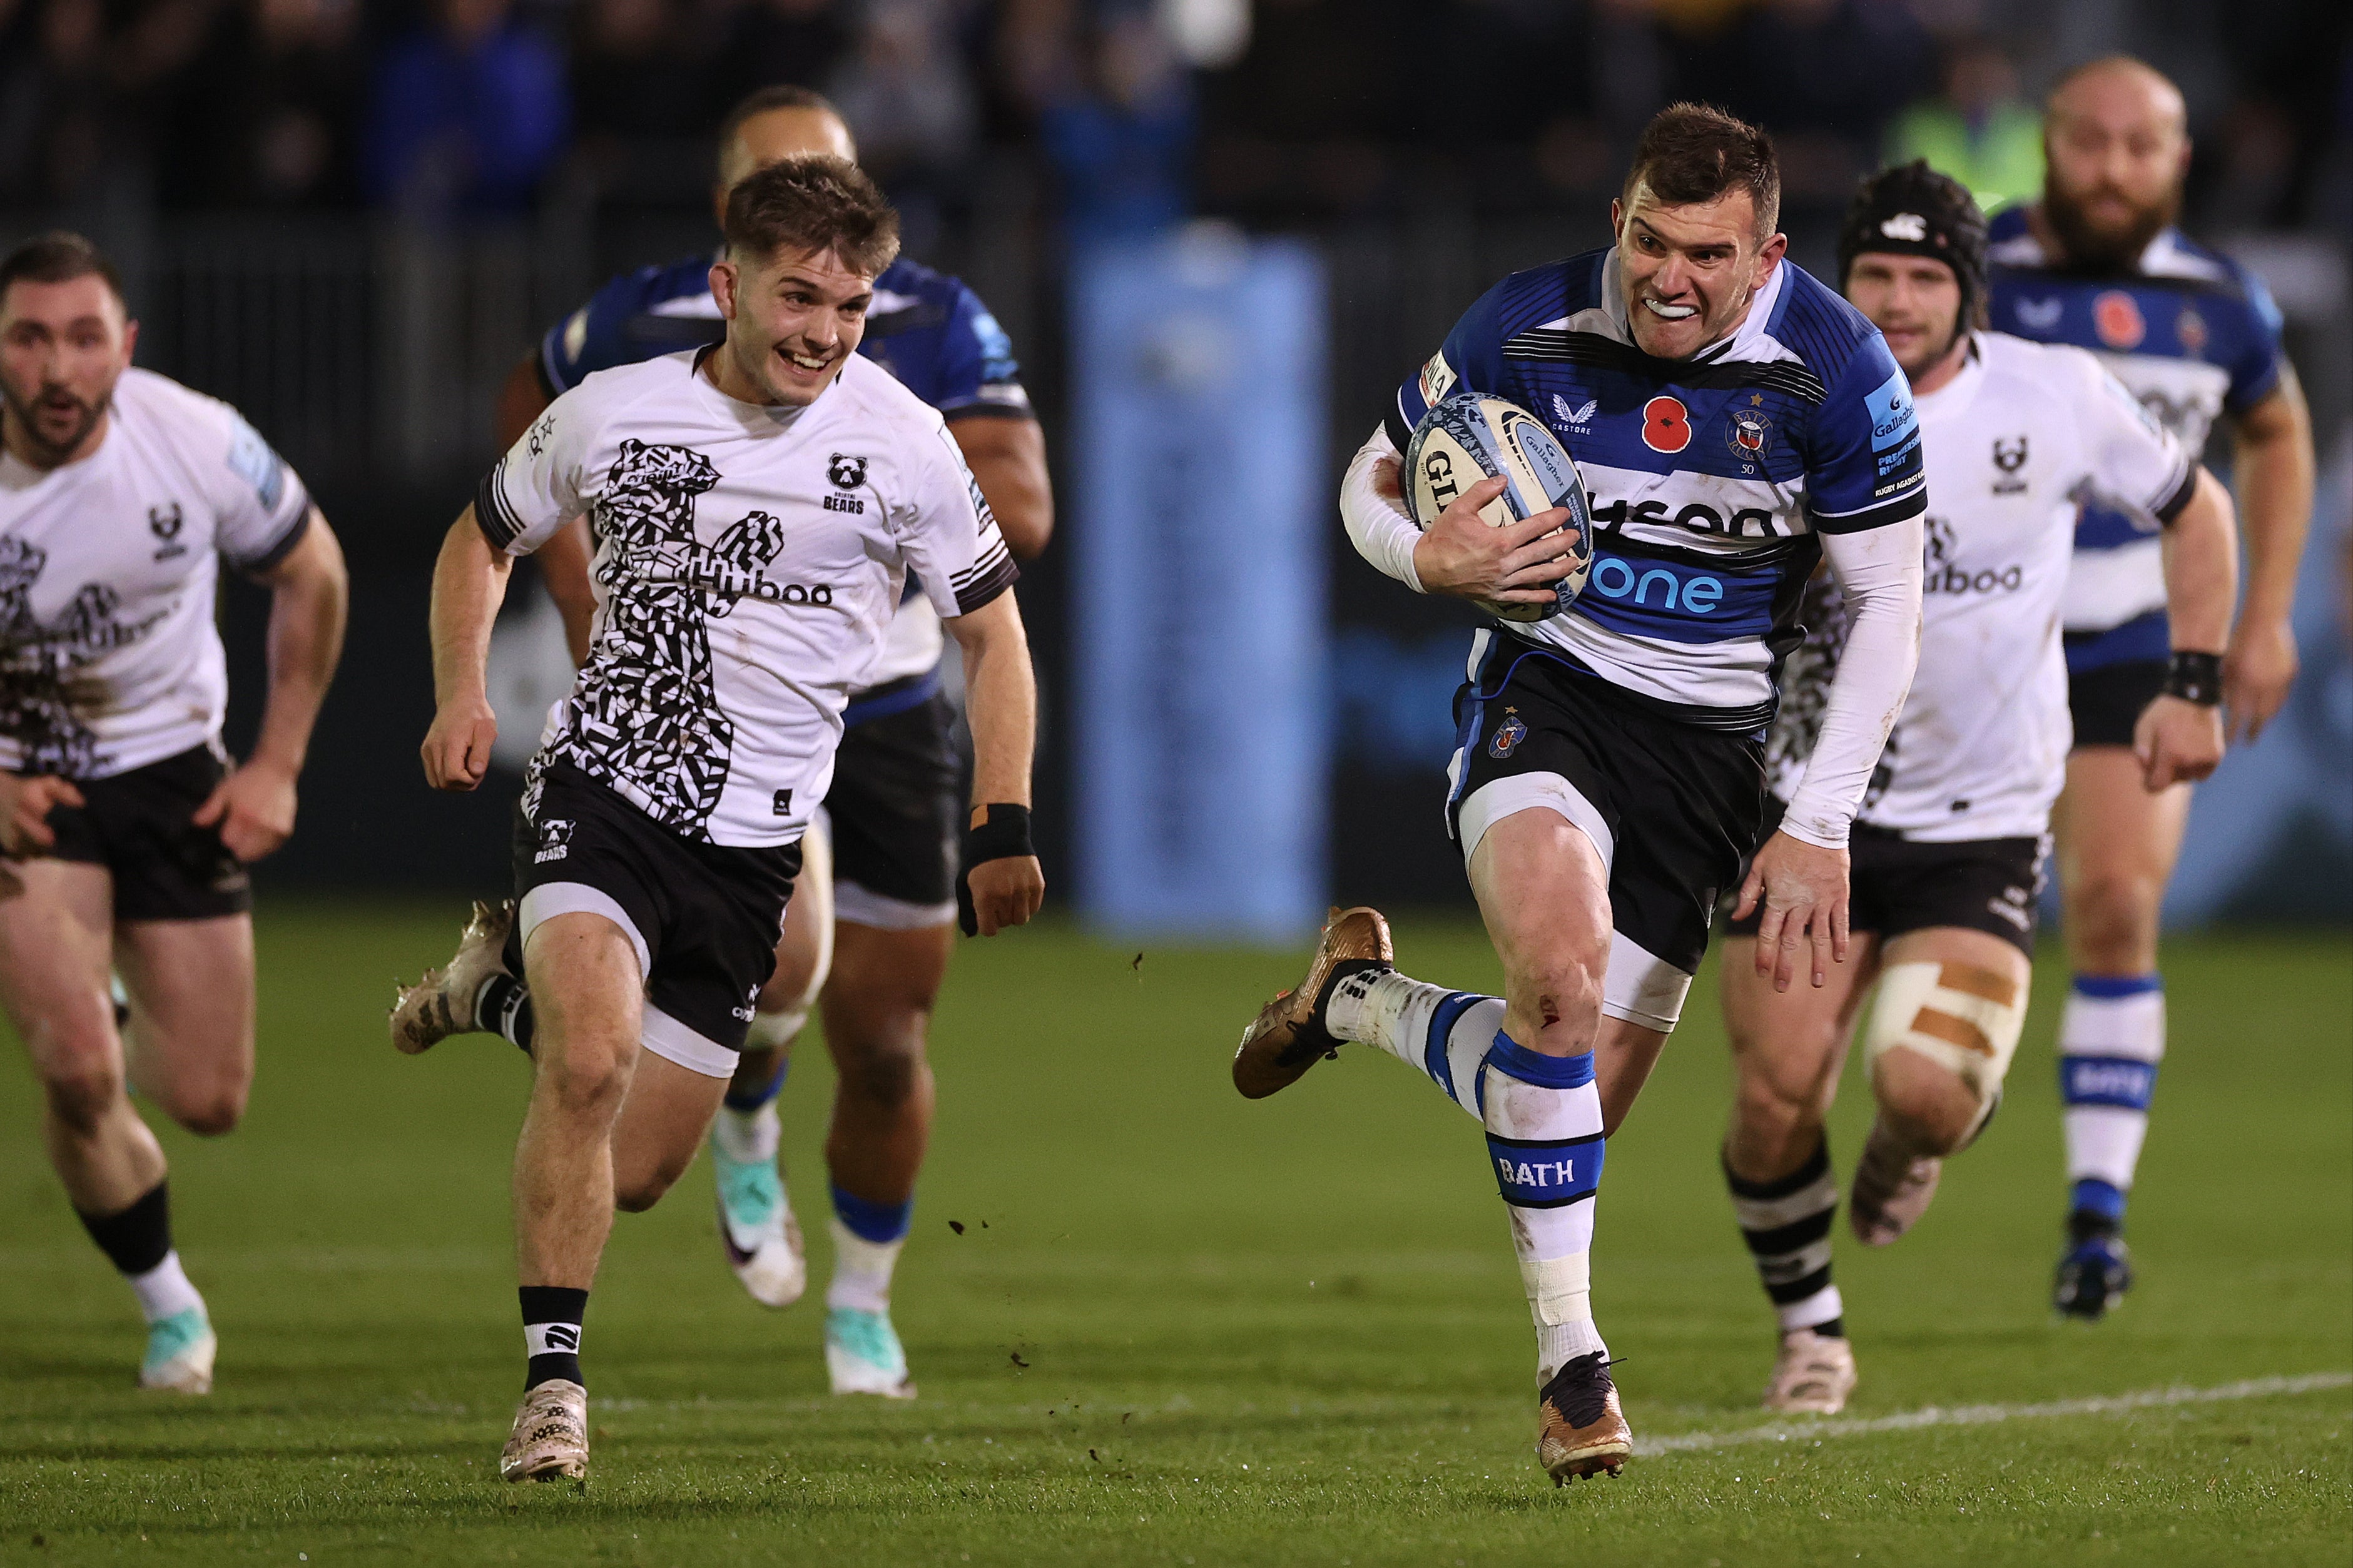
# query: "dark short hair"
1692,153
58,257
763,100
814,202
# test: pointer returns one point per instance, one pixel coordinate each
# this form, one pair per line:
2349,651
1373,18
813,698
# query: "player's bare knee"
208,1110
885,1074
81,1090
2112,921
1928,1106
583,1078
634,1192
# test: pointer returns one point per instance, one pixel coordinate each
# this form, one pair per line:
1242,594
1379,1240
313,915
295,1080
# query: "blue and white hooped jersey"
2193,335
927,329
1710,476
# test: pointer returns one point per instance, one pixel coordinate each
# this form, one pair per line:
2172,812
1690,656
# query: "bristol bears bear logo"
846,471
166,523
1666,425
555,840
2009,456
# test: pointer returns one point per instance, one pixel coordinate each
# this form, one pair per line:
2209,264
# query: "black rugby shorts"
141,825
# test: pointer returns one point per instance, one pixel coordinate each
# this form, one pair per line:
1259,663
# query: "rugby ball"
1470,436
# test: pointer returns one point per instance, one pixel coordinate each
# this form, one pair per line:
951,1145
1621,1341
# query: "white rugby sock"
1443,1034
862,1271
164,1290
748,1137
2111,1038
1542,1116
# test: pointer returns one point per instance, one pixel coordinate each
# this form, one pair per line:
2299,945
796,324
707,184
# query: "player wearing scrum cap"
128,828
1947,848
1734,421
758,505
2099,263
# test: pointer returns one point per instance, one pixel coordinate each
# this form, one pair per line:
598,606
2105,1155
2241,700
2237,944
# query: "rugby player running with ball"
1949,847
1734,421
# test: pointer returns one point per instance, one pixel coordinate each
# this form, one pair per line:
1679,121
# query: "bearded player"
870,931
128,828
2097,263
1734,422
1949,845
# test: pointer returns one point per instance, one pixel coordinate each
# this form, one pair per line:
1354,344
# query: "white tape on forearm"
1560,1289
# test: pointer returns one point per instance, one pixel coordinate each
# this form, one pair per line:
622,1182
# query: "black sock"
1787,1225
139,1237
551,1315
503,1007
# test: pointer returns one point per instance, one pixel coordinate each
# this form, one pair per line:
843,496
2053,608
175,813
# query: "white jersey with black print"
748,560
2023,437
108,655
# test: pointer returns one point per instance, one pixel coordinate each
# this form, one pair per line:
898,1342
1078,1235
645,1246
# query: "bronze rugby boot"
442,1004
1580,1431
1891,1189
1288,1036
549,1441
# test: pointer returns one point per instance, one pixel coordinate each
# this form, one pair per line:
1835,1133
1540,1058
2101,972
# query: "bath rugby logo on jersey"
1748,431
1508,734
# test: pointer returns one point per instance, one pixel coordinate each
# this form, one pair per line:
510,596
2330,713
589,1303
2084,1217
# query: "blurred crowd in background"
1136,112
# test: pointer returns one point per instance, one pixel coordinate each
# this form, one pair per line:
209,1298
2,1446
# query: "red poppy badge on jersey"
2116,316
1666,425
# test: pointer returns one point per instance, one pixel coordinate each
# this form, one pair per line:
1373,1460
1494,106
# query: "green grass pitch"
1177,1328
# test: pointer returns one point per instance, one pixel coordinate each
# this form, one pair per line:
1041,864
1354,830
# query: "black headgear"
1913,210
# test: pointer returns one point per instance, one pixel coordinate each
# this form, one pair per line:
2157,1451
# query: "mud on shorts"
1670,807
704,917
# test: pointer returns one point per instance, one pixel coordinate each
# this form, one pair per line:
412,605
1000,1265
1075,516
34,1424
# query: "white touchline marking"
1985,1415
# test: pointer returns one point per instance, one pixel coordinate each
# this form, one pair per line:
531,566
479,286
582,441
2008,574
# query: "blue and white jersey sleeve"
1866,469
2254,363
977,374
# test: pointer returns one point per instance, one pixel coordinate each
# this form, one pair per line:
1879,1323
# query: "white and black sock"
1787,1225
502,1006
551,1315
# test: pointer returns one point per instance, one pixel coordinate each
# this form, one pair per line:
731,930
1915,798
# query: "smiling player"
1734,422
758,505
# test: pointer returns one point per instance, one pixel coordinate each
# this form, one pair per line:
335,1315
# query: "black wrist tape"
2195,678
1003,833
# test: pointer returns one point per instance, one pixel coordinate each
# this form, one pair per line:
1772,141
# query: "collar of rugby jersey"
775,417
1952,399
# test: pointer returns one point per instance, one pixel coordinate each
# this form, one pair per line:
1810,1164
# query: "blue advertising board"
1202,512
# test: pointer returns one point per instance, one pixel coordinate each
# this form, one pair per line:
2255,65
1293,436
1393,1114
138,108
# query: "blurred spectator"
641,69
1120,137
467,114
268,114
799,43
907,101
58,118
1310,114
1979,129
1825,77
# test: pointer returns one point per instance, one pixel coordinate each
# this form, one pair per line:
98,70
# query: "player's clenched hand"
2177,742
1513,564
25,813
1006,892
1803,887
2257,671
458,748
253,809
